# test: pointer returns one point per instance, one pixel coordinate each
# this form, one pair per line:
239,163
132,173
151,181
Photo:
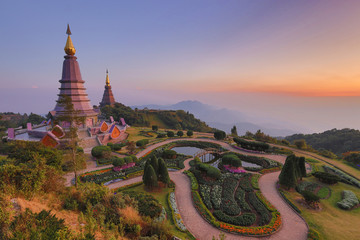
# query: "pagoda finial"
69,47
107,78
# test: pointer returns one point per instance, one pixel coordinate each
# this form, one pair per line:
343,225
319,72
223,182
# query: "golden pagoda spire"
107,82
69,47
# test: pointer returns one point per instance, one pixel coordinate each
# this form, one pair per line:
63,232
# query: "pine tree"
302,167
155,164
73,117
163,172
287,176
147,163
149,178
234,131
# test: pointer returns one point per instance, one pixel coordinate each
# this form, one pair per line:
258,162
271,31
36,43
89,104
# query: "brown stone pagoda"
72,85
108,97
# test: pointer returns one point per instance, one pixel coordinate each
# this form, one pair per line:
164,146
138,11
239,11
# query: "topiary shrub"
169,154
231,159
349,200
219,135
326,177
118,162
170,134
101,151
142,142
310,197
128,159
180,133
189,133
161,135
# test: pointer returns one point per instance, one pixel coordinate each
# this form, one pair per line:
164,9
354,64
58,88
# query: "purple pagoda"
108,97
72,85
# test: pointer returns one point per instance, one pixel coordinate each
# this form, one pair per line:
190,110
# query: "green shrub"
231,159
257,146
169,154
147,204
128,159
211,171
42,225
118,162
101,151
219,135
116,146
189,133
161,135
310,197
180,133
170,134
326,177
154,127
349,200
142,142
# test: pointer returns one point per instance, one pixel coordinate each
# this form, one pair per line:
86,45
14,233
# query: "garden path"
294,227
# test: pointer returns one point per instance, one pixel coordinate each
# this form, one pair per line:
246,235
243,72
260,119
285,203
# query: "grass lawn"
161,196
331,222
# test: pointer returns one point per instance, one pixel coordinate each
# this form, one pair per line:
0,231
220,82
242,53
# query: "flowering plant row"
270,170
175,213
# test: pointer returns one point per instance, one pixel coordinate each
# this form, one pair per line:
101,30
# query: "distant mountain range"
225,119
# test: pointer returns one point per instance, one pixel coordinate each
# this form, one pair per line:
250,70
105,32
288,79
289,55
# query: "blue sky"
292,60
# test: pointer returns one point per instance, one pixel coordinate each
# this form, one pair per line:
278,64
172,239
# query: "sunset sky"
298,61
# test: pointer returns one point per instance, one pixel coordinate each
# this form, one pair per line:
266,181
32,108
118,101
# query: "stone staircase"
89,143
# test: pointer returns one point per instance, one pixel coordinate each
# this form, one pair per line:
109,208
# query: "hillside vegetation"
162,118
337,141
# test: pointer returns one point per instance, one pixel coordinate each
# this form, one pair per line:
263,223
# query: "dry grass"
131,215
37,205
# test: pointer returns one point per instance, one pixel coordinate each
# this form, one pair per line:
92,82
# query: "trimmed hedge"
260,208
257,146
142,142
344,177
246,219
228,203
326,177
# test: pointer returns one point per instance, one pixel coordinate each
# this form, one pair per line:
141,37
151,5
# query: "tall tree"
155,164
302,167
73,117
150,178
163,172
234,131
287,176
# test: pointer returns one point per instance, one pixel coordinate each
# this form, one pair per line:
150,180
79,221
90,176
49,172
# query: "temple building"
108,97
72,85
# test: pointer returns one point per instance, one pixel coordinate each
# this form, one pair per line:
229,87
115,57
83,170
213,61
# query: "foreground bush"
42,225
349,200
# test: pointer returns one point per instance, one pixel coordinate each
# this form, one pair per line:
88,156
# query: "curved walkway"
293,226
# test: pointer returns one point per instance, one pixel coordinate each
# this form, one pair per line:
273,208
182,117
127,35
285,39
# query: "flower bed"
126,166
175,213
233,170
274,218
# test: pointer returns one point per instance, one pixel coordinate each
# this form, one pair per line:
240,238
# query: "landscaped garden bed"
232,204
